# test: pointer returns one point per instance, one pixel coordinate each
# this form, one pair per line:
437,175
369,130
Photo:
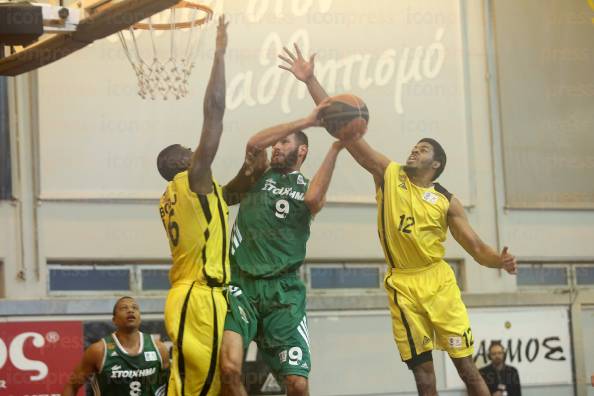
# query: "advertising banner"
536,341
36,358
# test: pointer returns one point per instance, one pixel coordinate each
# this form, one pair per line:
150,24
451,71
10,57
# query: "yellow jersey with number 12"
196,226
412,220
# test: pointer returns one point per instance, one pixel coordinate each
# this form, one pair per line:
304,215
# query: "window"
345,277
555,274
584,275
539,275
154,278
89,278
86,278
342,275
367,276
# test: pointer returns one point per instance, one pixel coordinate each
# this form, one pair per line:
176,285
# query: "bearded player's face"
284,153
421,156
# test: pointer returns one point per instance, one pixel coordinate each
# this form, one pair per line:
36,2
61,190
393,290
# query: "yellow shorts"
194,319
428,312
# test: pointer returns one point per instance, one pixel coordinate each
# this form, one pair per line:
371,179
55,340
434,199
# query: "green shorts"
271,312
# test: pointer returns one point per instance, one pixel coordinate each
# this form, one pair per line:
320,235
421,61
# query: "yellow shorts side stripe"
215,351
180,341
409,337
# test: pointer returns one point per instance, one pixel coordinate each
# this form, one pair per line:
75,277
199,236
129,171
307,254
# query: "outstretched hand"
508,262
301,68
221,43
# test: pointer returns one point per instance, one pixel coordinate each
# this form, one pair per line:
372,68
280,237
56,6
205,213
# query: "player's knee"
296,385
425,380
467,370
470,375
426,384
465,366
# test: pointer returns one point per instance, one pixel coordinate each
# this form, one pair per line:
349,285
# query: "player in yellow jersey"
194,212
414,214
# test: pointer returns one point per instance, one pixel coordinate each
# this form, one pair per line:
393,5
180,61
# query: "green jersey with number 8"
272,227
123,374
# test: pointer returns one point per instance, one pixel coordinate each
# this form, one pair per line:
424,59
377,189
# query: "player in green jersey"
124,363
267,298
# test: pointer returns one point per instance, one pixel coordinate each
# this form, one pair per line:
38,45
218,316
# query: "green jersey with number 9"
272,227
123,374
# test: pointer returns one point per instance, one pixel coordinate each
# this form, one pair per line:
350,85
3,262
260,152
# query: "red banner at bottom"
36,358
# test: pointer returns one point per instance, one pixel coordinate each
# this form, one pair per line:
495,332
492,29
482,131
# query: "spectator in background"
125,362
502,380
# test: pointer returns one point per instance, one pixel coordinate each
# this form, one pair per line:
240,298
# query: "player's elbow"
378,168
231,195
214,103
251,146
314,203
230,372
480,252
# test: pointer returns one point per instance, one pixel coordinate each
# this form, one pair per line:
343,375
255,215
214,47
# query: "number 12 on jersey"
406,222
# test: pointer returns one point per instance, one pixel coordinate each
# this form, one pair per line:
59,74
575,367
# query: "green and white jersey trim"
121,348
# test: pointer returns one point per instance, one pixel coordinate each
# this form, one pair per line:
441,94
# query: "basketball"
346,117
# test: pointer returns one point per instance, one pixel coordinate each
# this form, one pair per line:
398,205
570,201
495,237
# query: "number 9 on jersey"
282,208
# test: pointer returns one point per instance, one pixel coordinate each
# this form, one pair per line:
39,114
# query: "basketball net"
164,73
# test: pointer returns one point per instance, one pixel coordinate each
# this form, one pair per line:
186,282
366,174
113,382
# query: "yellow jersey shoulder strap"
181,182
442,190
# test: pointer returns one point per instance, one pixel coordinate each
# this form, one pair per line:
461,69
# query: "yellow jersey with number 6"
196,226
412,220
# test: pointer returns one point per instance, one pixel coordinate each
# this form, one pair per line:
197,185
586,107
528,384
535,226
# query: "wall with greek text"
405,59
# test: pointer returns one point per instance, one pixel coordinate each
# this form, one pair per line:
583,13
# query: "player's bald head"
172,160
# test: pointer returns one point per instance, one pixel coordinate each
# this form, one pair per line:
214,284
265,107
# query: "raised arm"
200,175
89,364
472,243
371,160
315,197
269,136
256,161
303,70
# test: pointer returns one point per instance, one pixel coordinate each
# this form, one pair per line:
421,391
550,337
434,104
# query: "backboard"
35,34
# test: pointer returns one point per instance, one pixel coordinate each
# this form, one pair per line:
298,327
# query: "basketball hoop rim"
180,25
